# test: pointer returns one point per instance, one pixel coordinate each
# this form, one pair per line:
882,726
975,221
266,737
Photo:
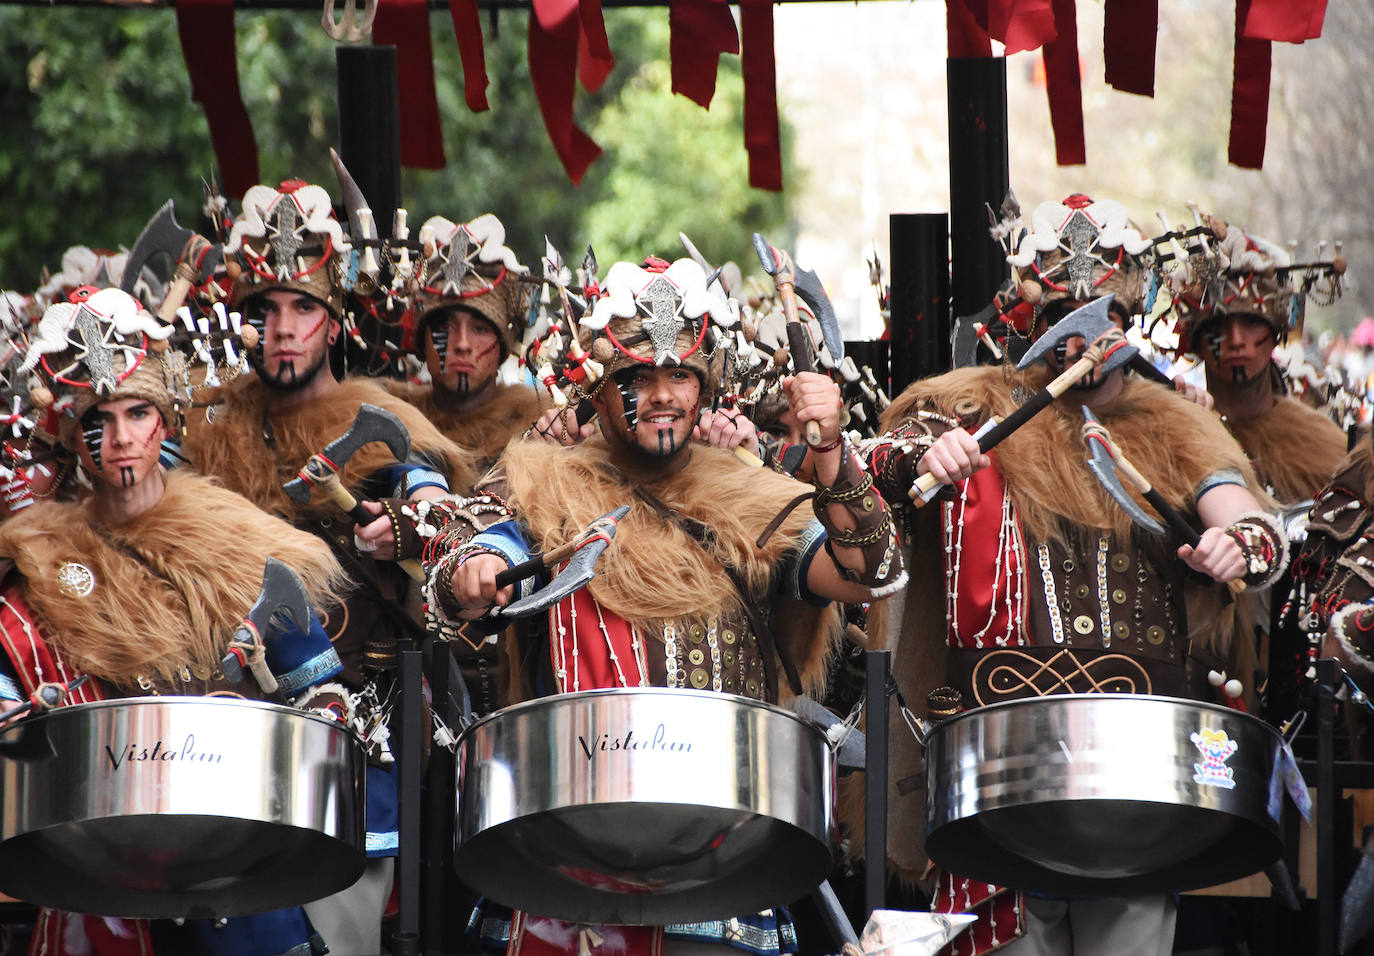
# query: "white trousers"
350,921
1114,926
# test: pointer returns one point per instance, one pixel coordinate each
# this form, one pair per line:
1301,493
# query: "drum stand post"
406,941
877,666
1328,679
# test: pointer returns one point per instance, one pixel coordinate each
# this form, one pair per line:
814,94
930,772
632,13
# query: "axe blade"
371,424
351,194
281,591
164,234
695,254
1089,322
1103,466
964,340
768,258
577,574
809,290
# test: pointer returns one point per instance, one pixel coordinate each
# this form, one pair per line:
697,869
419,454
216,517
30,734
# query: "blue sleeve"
406,478
507,539
300,659
796,565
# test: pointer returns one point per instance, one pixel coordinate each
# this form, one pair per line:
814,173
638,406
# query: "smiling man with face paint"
696,584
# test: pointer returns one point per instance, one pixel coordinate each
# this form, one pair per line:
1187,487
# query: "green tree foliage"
100,130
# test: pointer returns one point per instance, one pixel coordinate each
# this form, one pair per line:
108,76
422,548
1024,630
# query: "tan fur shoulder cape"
1295,449
235,448
653,572
485,430
171,585
1175,443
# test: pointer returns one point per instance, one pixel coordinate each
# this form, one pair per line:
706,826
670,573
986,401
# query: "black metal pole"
920,341
438,822
370,126
406,941
979,170
1328,798
877,665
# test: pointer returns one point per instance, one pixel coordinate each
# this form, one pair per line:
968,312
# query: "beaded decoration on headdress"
103,344
658,314
1217,269
469,265
1079,250
287,238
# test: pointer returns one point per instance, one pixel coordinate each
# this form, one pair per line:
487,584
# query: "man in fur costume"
1333,595
116,586
471,307
1235,298
471,315
1027,575
285,255
706,585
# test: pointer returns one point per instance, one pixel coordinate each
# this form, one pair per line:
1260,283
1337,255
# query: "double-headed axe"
322,470
790,283
194,256
1106,462
281,591
1108,350
581,553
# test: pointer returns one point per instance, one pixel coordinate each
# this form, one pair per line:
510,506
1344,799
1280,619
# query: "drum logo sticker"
1216,748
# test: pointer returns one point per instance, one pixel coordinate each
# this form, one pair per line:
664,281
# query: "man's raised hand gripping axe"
1107,350
477,582
791,282
322,470
1109,466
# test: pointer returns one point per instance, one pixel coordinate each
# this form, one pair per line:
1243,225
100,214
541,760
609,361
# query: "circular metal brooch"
75,579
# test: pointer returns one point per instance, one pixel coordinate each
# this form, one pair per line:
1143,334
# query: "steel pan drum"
644,806
183,807
1103,794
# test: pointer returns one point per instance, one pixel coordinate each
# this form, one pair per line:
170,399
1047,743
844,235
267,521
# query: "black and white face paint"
93,434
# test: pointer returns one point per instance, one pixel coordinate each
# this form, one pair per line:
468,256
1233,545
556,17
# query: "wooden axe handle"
1183,531
798,344
360,515
924,485
534,565
177,292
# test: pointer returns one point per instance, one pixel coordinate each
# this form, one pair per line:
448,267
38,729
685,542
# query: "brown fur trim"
233,448
653,572
484,430
1172,441
1295,449
171,585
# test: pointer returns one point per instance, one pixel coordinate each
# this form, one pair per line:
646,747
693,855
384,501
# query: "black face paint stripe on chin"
126,476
